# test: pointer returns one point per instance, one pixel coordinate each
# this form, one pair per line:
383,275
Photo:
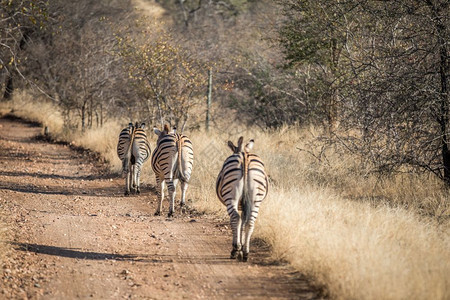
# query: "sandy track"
74,235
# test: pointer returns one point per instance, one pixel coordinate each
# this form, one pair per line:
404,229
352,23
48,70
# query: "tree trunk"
83,117
91,114
332,109
101,115
443,97
185,14
9,88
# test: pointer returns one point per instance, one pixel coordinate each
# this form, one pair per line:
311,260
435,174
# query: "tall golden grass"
357,251
360,237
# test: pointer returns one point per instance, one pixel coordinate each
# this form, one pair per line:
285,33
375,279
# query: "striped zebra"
242,185
133,149
172,160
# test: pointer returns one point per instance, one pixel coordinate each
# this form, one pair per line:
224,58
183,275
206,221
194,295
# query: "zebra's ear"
143,125
232,146
239,145
130,124
157,131
249,145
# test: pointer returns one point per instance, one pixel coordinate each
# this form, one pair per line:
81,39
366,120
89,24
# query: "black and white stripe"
242,185
172,160
133,149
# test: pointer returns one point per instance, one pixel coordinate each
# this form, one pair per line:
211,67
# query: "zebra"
242,184
133,149
172,160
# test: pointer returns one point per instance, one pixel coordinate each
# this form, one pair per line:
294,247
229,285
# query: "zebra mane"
239,148
166,128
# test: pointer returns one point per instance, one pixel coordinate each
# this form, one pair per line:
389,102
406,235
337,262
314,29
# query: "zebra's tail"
247,203
179,172
126,161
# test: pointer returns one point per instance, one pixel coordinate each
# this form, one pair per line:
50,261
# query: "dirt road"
74,235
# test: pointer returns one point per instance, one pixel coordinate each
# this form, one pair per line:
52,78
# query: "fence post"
208,99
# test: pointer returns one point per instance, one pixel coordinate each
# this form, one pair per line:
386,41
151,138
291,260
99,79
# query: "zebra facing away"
172,161
242,184
133,149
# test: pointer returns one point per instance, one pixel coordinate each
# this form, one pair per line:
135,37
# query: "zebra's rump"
141,146
232,176
124,142
140,149
173,155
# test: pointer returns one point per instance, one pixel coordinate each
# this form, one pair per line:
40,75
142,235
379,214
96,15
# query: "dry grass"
360,237
25,106
102,139
357,251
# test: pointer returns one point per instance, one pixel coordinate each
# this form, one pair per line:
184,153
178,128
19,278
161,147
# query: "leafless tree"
73,61
392,76
19,20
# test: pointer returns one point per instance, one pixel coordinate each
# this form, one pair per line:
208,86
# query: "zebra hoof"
234,254
170,214
138,191
240,256
127,193
157,213
244,257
